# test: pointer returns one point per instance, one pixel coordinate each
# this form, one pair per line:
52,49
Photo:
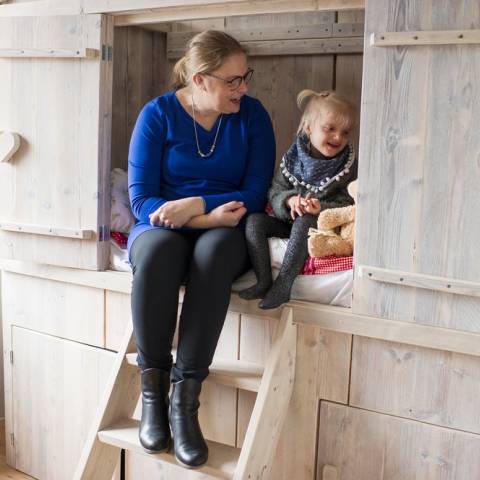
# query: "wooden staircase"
114,428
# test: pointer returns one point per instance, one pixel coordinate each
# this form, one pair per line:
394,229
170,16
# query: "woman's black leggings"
207,262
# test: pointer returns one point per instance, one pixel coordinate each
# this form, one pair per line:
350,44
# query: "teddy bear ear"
352,189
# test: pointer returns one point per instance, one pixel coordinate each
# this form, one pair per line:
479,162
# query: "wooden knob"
9,144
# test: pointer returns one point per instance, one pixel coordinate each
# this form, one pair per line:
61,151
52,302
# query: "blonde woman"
313,176
201,157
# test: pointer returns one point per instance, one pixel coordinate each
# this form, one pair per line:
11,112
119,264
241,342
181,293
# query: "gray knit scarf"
315,174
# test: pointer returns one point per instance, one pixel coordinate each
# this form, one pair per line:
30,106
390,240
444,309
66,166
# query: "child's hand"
312,205
295,204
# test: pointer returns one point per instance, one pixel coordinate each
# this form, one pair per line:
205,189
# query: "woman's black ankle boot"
154,429
190,447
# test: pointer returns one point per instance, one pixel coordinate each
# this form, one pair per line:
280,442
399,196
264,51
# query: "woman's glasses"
235,82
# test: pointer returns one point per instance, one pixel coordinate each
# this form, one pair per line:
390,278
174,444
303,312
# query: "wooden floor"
7,473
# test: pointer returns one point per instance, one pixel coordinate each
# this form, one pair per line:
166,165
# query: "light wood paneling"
418,383
57,386
218,402
57,180
138,466
362,445
348,72
65,310
418,181
322,372
118,314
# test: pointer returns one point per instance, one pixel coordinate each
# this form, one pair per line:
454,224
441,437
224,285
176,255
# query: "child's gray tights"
260,227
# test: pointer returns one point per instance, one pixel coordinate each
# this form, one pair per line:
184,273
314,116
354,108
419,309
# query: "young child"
313,176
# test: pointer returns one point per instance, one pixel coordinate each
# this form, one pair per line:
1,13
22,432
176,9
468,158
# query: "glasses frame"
239,78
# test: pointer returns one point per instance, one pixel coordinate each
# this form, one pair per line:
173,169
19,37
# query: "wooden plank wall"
419,176
141,73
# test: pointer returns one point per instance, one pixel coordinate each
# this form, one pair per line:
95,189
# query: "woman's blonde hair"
205,52
313,104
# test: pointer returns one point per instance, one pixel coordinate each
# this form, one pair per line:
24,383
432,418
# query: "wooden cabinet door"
56,387
55,93
419,169
358,444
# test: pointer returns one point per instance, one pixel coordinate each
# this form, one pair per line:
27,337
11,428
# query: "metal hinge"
104,233
11,356
12,439
107,53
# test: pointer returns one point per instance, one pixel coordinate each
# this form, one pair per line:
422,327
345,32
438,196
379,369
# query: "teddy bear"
336,230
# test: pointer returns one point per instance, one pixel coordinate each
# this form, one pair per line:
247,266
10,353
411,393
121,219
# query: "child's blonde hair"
327,102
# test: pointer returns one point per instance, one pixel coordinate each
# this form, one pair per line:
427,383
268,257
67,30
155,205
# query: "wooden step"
222,459
232,373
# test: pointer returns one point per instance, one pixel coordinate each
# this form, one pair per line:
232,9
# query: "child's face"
328,135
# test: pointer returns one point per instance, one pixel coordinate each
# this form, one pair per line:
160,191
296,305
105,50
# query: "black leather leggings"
207,262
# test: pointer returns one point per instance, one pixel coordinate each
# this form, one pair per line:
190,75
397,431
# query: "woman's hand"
295,204
227,215
176,213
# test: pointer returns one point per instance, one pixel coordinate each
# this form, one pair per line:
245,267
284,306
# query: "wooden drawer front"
57,385
429,385
61,309
356,444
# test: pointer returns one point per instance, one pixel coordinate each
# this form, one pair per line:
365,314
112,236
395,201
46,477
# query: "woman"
201,157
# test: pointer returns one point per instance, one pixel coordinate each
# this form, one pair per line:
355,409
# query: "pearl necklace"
212,148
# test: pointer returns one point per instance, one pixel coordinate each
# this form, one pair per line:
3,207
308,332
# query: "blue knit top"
163,162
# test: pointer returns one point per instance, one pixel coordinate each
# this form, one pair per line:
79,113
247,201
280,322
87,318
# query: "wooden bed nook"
381,386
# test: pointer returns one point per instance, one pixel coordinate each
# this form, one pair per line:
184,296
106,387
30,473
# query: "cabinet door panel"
57,385
362,445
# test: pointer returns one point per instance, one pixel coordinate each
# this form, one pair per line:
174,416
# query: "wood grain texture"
418,383
364,445
322,371
418,177
55,180
57,386
64,310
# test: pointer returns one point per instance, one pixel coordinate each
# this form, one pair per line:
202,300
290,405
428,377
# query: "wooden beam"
76,233
447,37
324,46
341,319
48,53
41,8
419,280
158,11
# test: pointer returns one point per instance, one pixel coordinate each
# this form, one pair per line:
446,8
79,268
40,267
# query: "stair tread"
222,459
232,373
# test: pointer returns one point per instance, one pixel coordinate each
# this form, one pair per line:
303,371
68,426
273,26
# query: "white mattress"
330,289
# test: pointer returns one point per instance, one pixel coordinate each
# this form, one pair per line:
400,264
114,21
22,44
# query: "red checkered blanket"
322,265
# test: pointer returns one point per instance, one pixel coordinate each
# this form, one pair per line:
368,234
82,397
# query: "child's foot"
254,292
277,295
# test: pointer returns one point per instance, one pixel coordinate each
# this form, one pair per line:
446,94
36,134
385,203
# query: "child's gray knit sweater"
334,196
